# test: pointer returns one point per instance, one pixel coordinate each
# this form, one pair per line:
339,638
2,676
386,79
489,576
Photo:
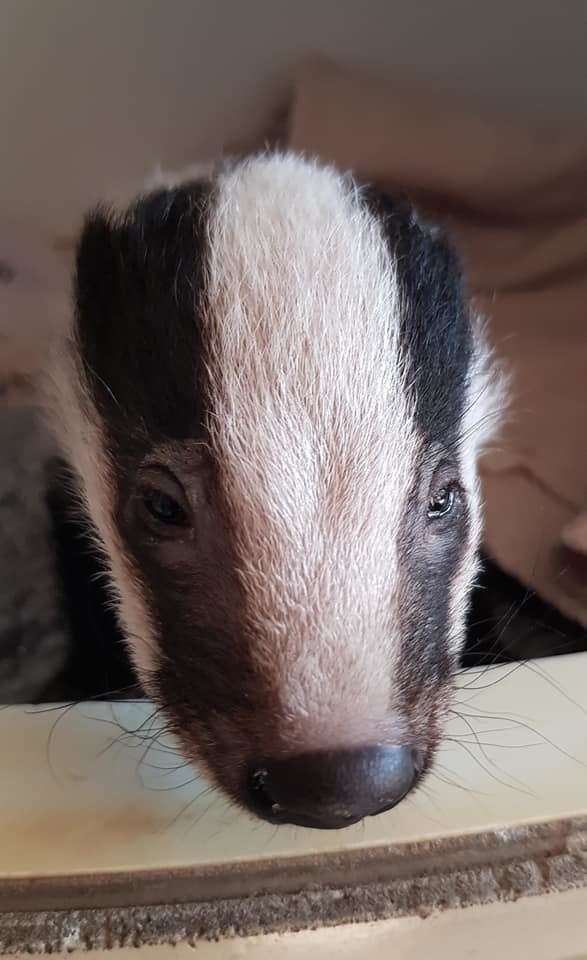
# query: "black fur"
98,664
139,284
139,292
431,555
435,320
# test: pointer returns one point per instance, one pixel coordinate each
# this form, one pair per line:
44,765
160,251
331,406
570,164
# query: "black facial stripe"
428,574
437,341
207,671
435,320
138,290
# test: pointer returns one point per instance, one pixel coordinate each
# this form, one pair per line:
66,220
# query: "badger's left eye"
442,501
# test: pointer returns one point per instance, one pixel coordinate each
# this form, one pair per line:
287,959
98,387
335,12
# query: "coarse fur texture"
291,358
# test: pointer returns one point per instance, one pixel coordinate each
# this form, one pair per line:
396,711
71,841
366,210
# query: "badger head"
274,394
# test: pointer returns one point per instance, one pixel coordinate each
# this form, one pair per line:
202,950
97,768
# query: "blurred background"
95,93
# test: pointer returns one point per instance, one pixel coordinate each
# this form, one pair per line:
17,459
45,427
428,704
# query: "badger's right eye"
160,504
163,508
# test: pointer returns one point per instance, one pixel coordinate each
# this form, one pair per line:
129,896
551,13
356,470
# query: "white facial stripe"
311,424
484,407
83,442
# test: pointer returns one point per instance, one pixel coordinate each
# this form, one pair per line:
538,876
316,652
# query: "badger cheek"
214,703
436,711
430,677
214,754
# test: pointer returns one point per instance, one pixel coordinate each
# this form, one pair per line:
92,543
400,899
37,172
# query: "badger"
274,392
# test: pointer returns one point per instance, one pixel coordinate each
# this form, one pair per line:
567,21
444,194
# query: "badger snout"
332,789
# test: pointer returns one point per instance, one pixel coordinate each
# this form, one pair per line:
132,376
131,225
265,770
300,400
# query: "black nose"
332,789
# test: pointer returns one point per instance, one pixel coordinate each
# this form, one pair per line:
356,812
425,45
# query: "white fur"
484,409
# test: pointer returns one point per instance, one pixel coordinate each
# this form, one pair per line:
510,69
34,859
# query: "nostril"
260,797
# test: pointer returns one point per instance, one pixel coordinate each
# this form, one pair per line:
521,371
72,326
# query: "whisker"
524,725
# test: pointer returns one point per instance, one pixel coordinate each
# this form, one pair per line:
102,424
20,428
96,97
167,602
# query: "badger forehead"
307,375
337,338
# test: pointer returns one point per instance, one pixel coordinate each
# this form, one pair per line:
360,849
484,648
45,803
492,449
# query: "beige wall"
93,93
